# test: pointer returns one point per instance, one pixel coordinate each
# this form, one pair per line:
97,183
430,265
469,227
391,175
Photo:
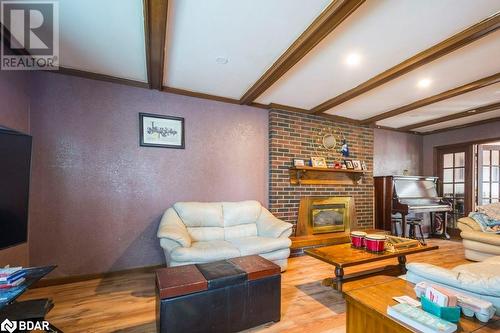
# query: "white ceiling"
104,37
384,33
253,34
250,34
460,121
460,103
465,65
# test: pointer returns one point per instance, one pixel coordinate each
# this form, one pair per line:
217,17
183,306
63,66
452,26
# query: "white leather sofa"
480,279
198,232
478,245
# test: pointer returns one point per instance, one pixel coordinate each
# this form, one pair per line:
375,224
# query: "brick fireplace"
294,135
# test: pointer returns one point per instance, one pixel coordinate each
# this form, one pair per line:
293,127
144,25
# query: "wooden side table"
367,310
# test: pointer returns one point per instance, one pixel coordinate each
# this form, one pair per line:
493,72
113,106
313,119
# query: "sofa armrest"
468,224
172,228
270,226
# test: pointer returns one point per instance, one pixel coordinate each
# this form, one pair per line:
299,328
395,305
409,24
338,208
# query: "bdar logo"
8,326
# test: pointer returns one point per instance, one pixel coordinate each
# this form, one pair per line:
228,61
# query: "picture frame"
318,162
363,166
298,162
348,164
356,164
161,131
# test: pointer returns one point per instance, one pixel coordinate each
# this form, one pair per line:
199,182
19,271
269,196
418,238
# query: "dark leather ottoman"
224,296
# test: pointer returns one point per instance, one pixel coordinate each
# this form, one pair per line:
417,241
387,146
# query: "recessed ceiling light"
353,59
471,111
424,83
221,60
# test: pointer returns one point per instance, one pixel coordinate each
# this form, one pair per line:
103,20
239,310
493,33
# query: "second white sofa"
480,279
198,232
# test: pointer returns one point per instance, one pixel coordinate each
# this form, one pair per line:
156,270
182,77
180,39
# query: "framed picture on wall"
161,131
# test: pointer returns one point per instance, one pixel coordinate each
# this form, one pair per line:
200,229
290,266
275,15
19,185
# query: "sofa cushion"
489,268
468,224
239,231
237,213
470,278
203,234
200,214
205,251
482,237
257,245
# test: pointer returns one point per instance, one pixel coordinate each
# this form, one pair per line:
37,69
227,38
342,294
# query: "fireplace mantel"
324,176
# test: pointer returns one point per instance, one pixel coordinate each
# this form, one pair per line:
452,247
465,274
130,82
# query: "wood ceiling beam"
463,114
436,98
155,13
451,44
325,23
475,123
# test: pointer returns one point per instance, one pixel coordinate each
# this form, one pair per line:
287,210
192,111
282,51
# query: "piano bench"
412,223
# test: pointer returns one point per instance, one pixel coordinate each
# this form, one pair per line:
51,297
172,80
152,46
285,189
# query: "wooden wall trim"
325,23
480,122
436,98
209,97
100,77
467,113
451,44
155,15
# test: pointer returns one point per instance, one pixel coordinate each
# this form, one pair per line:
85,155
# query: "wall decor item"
345,148
357,165
161,131
298,162
363,165
318,162
326,142
348,164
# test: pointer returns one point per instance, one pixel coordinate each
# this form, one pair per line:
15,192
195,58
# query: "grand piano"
403,195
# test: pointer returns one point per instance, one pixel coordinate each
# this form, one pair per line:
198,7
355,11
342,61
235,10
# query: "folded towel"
486,223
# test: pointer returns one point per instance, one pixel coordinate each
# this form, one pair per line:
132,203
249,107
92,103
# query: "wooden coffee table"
367,310
344,255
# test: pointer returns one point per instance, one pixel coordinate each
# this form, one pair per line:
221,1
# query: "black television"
15,167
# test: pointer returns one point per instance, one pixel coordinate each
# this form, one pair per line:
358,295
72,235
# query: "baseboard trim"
80,278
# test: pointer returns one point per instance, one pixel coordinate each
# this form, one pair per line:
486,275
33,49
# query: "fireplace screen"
328,218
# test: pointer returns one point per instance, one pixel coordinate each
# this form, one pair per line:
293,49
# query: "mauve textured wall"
14,113
395,152
467,134
98,196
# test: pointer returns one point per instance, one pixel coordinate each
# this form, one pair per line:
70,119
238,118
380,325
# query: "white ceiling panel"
464,102
222,47
472,62
460,121
383,33
105,37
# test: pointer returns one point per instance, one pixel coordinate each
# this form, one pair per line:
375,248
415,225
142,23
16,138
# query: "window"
488,174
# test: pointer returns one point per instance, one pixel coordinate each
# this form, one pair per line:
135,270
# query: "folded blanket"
492,210
486,223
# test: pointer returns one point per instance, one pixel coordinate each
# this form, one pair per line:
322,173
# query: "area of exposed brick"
294,135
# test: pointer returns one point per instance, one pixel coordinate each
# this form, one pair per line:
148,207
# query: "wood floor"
126,303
